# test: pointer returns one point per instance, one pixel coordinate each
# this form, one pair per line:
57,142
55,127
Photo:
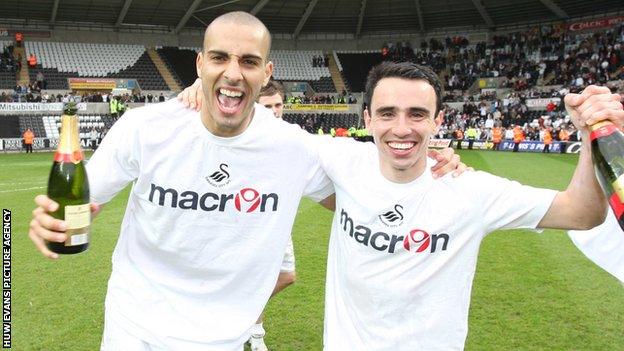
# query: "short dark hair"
273,87
405,70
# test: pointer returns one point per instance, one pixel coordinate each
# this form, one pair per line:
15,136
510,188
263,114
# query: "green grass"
531,291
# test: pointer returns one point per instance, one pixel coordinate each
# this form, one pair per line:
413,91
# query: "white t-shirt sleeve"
319,186
116,162
507,204
604,245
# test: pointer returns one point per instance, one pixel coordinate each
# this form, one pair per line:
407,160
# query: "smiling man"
210,213
402,253
233,67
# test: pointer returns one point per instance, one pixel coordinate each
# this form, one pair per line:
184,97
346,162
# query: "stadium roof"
296,17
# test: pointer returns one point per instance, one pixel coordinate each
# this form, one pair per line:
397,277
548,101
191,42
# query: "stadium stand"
289,66
34,123
10,127
313,121
355,66
323,85
540,62
8,67
300,66
47,125
59,61
181,62
85,59
145,73
525,59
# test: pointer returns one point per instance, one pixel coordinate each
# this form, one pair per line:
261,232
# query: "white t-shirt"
604,245
402,257
207,221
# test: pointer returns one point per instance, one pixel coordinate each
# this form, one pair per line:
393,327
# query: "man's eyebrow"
419,110
218,52
245,56
251,56
383,109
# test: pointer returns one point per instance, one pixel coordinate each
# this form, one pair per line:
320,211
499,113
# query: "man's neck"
214,129
402,176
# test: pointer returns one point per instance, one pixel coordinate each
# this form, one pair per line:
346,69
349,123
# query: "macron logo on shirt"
246,200
416,241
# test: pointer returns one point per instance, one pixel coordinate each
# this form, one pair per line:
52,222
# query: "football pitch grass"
531,291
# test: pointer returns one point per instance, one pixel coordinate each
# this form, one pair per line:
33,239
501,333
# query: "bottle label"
602,129
616,204
78,239
617,198
78,219
74,157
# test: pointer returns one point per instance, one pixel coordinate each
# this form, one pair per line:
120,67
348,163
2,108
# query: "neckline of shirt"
420,181
208,135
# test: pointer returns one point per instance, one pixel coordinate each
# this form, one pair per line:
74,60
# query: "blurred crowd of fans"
25,94
520,62
546,55
342,98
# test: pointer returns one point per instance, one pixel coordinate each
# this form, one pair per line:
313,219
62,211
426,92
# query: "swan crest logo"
393,217
219,178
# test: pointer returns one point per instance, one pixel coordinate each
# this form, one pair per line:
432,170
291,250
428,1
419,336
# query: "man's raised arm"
583,205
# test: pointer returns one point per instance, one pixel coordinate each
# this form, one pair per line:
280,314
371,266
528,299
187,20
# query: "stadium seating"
7,70
7,79
524,62
100,122
86,59
10,127
181,63
145,72
312,122
54,78
323,85
355,66
35,123
288,66
59,61
298,66
48,126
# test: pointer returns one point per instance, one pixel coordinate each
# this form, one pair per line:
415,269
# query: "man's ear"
438,121
199,62
367,119
268,72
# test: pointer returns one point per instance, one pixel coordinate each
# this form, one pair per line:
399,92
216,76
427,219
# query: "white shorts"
288,262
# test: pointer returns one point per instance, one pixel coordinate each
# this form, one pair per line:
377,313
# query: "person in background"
497,136
547,138
29,138
93,137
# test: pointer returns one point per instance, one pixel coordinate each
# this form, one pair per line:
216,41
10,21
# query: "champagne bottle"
607,143
69,187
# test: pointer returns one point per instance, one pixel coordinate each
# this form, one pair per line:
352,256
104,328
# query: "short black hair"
405,70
